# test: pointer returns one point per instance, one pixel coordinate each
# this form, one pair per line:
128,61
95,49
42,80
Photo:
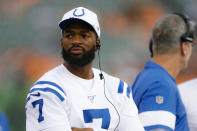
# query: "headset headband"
188,36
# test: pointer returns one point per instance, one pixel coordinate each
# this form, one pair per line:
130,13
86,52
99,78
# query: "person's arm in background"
156,108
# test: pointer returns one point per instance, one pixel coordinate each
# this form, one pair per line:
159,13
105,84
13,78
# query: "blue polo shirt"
156,95
4,124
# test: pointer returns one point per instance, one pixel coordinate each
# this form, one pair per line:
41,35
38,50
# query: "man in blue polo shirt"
154,90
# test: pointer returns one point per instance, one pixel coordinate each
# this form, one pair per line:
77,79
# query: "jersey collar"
153,65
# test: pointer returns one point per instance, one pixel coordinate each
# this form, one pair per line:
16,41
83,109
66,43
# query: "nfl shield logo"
159,99
91,98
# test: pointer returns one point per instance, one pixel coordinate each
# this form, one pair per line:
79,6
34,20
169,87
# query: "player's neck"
84,72
168,62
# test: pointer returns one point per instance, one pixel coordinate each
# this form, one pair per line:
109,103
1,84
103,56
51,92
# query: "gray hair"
166,34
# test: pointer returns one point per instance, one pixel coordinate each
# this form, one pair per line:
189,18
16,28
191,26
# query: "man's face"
78,43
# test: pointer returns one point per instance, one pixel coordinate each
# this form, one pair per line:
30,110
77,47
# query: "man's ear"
61,42
98,43
184,48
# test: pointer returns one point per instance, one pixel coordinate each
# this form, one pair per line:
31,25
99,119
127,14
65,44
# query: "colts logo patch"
78,13
159,99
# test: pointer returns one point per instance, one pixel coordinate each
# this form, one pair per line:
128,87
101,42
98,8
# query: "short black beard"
86,58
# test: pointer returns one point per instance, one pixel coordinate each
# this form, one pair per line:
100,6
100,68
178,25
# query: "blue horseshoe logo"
78,15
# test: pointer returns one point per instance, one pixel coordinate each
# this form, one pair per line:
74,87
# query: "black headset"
188,36
98,45
101,73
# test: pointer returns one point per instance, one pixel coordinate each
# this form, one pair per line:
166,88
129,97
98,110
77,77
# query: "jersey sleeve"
44,108
157,107
129,119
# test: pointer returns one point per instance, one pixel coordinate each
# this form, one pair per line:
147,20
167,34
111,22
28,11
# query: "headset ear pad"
98,45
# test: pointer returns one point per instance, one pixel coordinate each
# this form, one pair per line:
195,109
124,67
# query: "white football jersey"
60,100
188,91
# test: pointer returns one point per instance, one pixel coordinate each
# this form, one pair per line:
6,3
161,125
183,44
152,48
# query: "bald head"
166,34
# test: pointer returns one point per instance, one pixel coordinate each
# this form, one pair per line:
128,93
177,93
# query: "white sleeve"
129,119
45,111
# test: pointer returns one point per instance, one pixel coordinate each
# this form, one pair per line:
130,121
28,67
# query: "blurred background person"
188,90
4,123
154,90
29,34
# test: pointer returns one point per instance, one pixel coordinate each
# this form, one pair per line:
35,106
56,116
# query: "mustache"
76,46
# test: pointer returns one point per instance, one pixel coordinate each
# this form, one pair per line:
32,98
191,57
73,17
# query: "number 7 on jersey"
91,114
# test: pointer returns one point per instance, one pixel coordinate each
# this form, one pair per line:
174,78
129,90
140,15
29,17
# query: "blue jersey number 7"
91,114
40,103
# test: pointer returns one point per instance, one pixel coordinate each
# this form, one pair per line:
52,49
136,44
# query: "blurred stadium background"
29,42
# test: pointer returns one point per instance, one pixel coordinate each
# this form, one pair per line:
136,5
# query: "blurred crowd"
29,42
